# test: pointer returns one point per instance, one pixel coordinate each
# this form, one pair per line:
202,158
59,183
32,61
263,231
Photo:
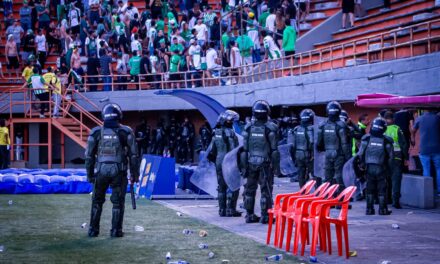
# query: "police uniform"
223,141
302,140
259,159
333,140
172,132
205,133
376,154
112,148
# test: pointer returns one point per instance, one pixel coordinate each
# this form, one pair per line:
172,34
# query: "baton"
133,198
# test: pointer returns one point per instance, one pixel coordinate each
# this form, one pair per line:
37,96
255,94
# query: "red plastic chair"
280,204
290,209
320,221
301,210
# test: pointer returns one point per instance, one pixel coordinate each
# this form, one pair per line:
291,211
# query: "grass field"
47,229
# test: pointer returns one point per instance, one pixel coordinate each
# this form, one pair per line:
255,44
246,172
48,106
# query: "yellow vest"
4,136
48,79
393,132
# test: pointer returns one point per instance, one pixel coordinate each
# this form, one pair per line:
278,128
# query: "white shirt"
201,31
74,17
255,37
153,61
121,67
235,52
270,22
194,52
41,42
136,46
211,57
271,47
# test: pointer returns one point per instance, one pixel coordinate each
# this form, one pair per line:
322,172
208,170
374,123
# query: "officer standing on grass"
333,140
376,155
112,148
258,160
224,140
301,138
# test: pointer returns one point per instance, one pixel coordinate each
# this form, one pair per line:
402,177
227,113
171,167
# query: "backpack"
110,153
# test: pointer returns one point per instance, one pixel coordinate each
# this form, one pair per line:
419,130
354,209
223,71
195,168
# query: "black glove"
91,178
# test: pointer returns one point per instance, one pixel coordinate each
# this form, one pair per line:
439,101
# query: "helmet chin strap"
333,118
111,123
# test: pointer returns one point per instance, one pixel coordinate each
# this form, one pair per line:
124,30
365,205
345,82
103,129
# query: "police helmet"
378,127
343,116
307,116
221,120
111,112
231,116
261,110
333,109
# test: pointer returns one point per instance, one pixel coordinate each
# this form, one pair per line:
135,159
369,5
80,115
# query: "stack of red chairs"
302,209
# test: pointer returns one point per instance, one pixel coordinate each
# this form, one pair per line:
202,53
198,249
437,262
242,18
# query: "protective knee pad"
95,216
117,216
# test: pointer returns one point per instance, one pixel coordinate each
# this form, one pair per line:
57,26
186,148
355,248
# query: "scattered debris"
203,233
168,256
385,262
178,262
138,228
225,261
2,248
179,214
84,225
353,253
91,193
313,259
277,257
187,232
211,255
203,246
410,213
395,226
10,202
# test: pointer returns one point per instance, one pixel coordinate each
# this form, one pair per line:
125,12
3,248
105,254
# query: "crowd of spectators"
168,41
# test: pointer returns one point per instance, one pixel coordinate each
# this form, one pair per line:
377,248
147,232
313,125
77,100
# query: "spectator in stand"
28,45
358,10
43,15
202,32
27,71
289,39
90,44
154,69
263,17
56,93
271,52
270,21
156,8
291,13
42,47
26,16
194,61
12,57
134,64
93,64
105,69
5,142
175,77
37,84
74,19
7,7
95,12
428,126
84,33
53,38
235,60
245,45
136,45
386,5
212,63
208,20
279,25
347,8
304,8
121,70
254,35
17,32
215,32
75,62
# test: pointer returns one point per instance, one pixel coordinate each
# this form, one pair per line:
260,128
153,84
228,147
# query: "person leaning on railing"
4,145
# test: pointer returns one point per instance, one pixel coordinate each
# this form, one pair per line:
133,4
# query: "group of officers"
112,149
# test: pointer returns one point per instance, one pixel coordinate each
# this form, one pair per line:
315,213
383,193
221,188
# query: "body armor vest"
375,152
258,145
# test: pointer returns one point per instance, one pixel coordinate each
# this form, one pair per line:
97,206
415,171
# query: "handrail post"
411,39
429,37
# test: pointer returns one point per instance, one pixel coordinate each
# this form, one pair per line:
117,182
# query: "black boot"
231,205
95,217
117,218
221,204
264,219
370,205
251,218
383,207
396,203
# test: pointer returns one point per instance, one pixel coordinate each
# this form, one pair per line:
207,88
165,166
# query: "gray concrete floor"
372,237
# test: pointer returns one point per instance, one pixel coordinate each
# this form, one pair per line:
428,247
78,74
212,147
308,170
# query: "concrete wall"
412,76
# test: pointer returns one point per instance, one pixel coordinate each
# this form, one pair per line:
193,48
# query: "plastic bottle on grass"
178,262
203,246
313,259
10,202
211,255
179,214
168,256
84,225
138,228
2,248
395,226
187,231
277,257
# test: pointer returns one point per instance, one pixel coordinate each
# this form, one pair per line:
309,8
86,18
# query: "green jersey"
135,65
245,45
174,63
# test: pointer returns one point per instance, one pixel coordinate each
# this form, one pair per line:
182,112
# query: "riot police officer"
172,131
333,140
224,140
142,133
258,158
377,155
185,139
205,133
110,147
159,136
302,140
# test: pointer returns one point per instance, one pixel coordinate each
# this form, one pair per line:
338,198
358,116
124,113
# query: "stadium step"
72,131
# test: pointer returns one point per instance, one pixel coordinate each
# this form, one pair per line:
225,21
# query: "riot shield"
319,157
230,167
349,173
287,167
205,175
